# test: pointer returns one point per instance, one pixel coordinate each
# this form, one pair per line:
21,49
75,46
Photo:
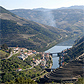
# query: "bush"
4,47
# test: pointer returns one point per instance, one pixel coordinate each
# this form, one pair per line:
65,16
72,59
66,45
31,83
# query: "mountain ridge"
46,9
70,19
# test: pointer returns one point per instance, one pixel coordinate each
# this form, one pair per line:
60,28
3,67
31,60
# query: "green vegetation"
21,80
10,66
74,56
41,37
4,47
78,50
67,19
3,54
36,36
80,81
2,10
75,51
13,63
18,31
14,76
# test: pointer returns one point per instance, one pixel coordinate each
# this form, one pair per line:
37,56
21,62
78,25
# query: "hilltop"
25,33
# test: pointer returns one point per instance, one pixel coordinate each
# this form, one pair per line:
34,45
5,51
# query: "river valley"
56,49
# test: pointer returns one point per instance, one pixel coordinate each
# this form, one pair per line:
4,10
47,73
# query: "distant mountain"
73,7
69,18
24,33
41,9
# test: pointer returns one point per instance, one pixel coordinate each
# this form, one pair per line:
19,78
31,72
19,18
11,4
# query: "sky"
31,4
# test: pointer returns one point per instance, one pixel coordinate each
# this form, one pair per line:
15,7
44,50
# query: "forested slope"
24,33
70,72
76,50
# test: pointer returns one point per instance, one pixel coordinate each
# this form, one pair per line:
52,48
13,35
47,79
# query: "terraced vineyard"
69,72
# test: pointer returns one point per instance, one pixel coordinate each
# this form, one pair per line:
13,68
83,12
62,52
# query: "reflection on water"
55,62
54,50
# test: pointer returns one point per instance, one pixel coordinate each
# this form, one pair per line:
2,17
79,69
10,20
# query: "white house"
19,69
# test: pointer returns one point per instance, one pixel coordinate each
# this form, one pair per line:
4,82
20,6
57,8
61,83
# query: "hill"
71,71
24,33
3,54
70,18
76,50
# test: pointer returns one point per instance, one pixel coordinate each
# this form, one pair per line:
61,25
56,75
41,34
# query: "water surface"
56,49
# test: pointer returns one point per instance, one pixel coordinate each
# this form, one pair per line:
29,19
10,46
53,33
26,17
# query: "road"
11,54
29,68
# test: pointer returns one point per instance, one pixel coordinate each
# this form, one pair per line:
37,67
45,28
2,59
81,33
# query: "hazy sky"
30,4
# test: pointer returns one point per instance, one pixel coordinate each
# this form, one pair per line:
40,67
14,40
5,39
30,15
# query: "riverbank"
55,59
44,72
51,63
63,42
68,73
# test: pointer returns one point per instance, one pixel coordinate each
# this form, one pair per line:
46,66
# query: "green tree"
80,81
11,82
4,47
10,50
22,80
8,77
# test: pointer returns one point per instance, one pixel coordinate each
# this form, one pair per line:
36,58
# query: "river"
55,59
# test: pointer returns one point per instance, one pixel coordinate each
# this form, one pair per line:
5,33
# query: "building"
16,49
42,56
43,62
19,69
34,51
23,49
25,53
23,57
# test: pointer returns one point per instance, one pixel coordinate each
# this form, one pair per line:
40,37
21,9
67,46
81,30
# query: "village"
25,53
43,60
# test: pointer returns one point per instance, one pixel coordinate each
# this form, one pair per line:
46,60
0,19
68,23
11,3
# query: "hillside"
71,71
69,18
76,50
24,33
68,74
3,54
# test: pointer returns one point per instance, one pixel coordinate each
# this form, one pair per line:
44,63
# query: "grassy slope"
3,54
